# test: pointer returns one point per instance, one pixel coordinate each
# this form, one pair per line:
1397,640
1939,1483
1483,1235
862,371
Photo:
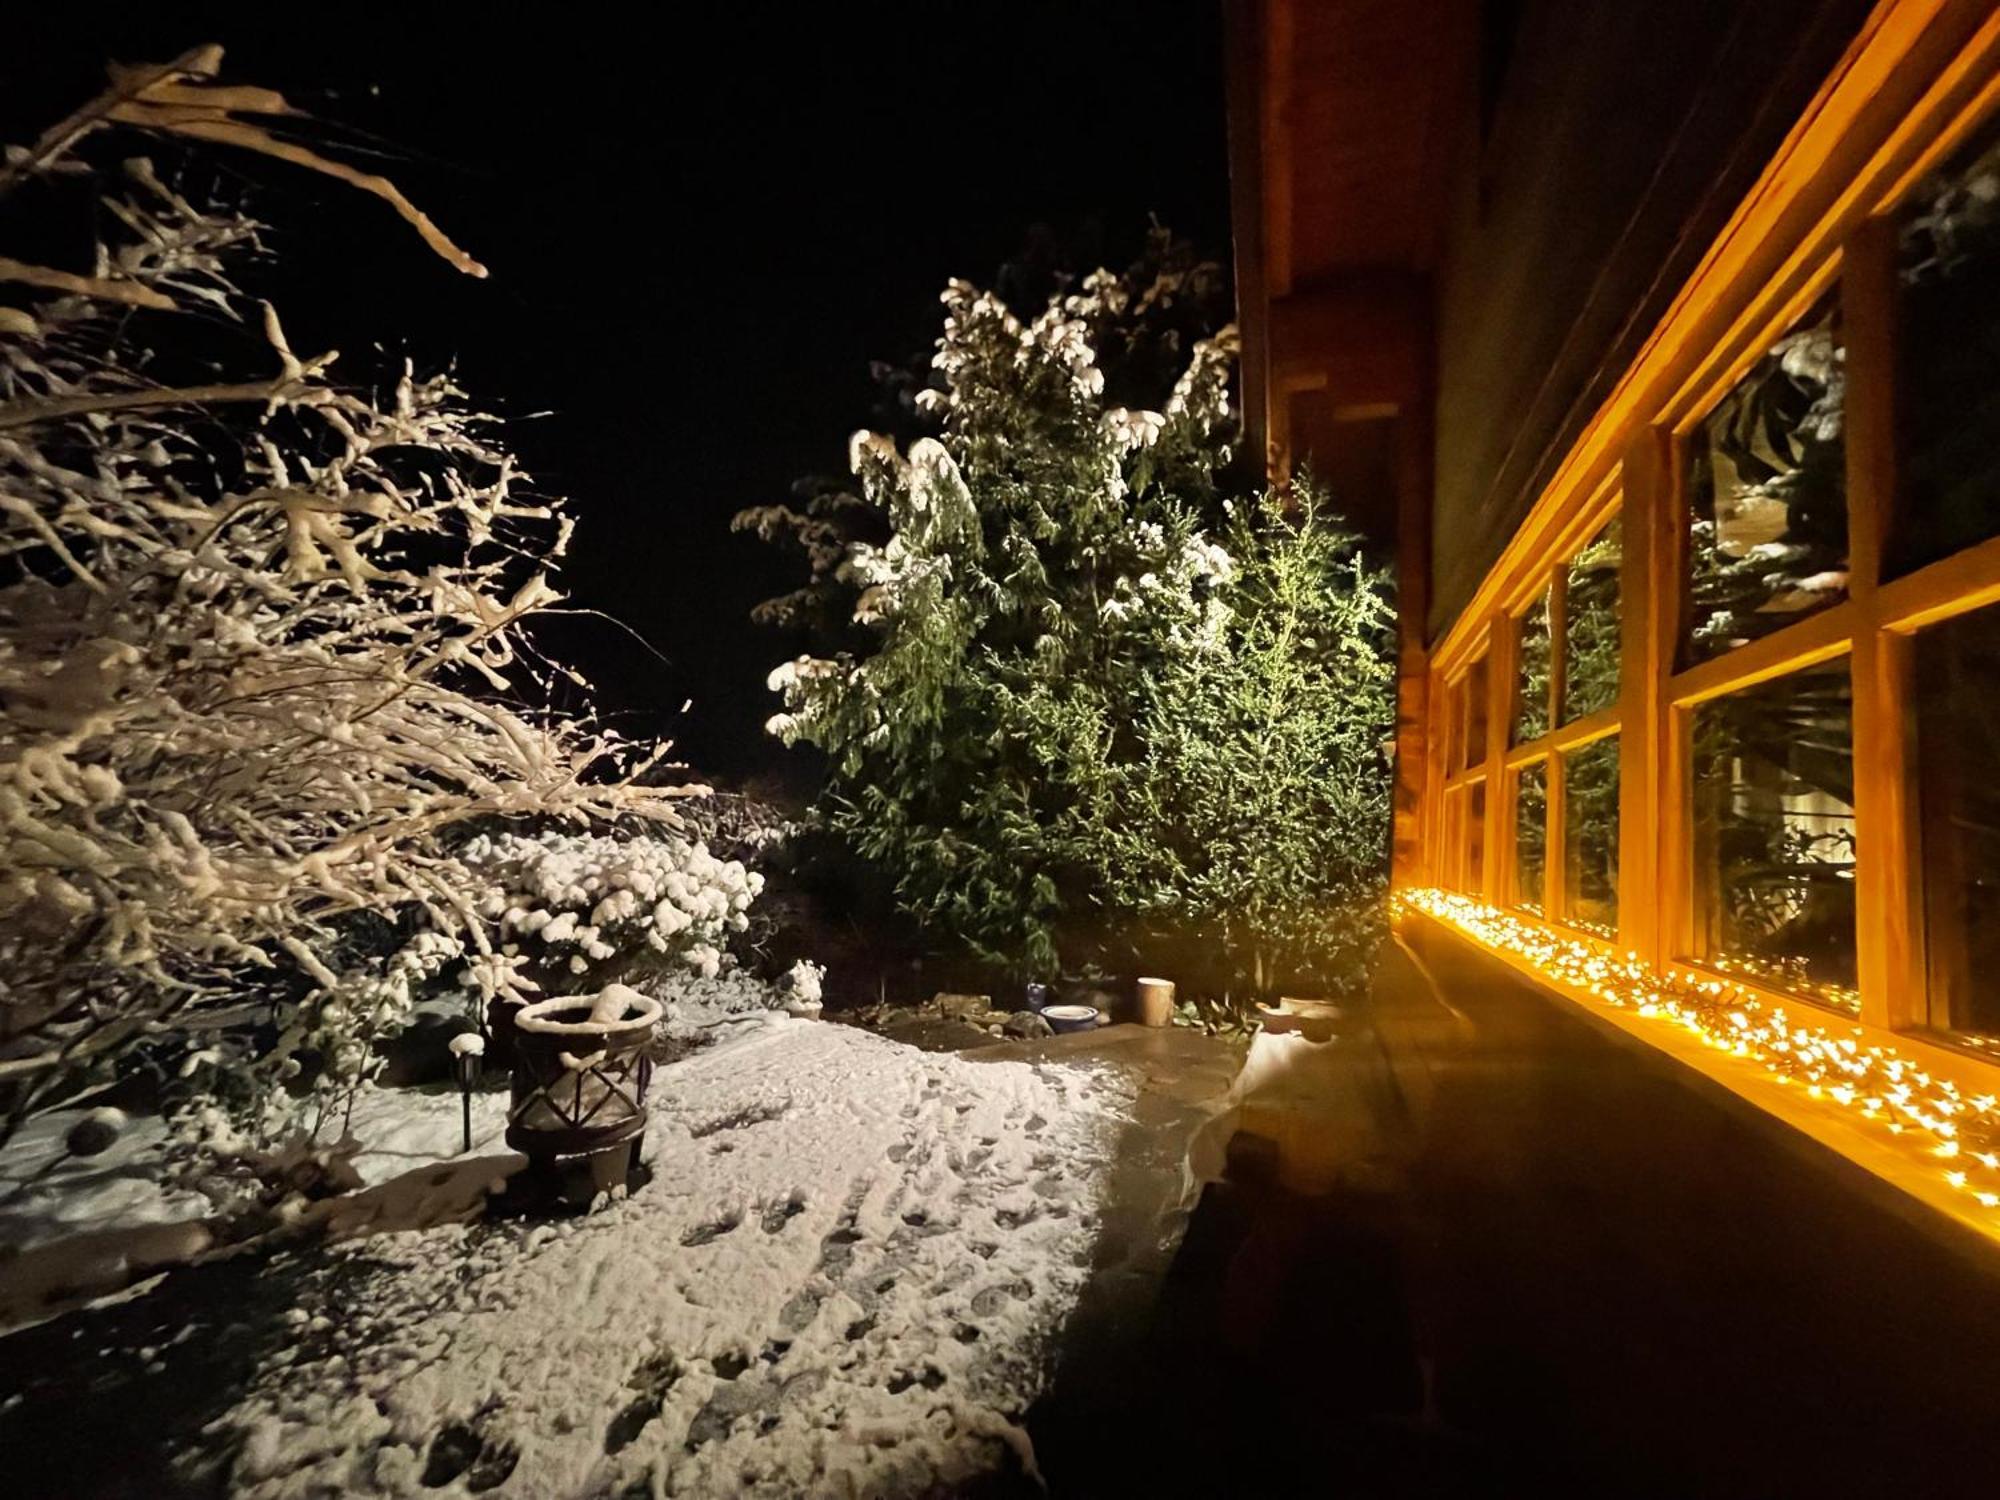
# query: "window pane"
1531,829
1948,359
1958,750
1450,823
1590,836
1531,714
1590,626
1767,493
1475,836
1774,833
1472,714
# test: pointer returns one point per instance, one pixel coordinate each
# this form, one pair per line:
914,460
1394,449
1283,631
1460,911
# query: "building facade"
1663,339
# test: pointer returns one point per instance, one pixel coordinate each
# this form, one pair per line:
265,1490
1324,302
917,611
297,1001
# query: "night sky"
699,238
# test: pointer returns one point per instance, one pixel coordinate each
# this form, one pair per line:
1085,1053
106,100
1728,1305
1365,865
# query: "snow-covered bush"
260,646
1228,794
594,907
1069,653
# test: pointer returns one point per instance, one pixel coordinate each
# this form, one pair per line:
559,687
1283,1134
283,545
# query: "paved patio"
1483,1247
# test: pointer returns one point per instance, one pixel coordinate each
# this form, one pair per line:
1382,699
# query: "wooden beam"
1242,33
1649,584
1888,901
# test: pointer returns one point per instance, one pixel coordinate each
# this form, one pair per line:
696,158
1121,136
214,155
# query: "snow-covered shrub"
738,826
260,647
593,906
805,980
804,987
1085,697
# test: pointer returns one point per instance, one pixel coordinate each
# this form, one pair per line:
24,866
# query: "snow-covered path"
842,1280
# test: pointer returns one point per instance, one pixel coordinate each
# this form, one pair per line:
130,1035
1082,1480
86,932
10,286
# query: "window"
1535,656
1472,714
1590,626
1948,359
1767,492
1590,837
1451,835
1465,835
1774,833
1958,756
1821,660
1475,836
1531,835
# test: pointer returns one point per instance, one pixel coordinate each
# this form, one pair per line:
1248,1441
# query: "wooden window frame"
1920,79
1552,876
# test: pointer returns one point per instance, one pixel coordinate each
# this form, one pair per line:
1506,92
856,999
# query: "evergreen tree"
1061,664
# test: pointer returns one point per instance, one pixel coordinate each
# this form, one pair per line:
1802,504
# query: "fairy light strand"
1941,1128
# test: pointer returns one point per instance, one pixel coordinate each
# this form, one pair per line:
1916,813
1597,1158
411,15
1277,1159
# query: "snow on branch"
262,650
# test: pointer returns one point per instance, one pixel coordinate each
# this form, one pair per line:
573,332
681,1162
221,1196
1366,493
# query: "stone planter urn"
581,1070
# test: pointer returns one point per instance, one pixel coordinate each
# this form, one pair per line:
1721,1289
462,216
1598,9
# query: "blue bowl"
1071,1017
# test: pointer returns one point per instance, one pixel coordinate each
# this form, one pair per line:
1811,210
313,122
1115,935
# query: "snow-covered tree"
262,647
1005,533
1059,637
1227,789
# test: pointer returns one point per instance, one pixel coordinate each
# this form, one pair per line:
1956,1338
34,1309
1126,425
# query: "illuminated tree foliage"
263,660
1080,703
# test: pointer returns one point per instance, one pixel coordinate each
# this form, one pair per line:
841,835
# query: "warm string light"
1927,1117
1789,975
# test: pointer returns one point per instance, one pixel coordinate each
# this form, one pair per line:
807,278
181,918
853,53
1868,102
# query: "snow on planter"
843,1279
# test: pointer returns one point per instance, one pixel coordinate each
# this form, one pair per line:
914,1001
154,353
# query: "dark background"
701,224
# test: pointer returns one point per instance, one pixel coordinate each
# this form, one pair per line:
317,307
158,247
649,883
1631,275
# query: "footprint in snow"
988,1302
836,1251
715,1229
732,1399
459,1452
742,1119
653,1378
780,1213
797,1315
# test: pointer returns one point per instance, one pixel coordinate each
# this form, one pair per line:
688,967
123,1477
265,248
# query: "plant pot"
1155,1002
1066,1018
579,1090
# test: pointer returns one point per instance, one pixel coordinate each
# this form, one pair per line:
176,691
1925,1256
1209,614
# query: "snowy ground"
842,1280
46,1193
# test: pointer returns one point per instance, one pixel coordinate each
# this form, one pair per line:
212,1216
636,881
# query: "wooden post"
1887,892
1649,807
1498,845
